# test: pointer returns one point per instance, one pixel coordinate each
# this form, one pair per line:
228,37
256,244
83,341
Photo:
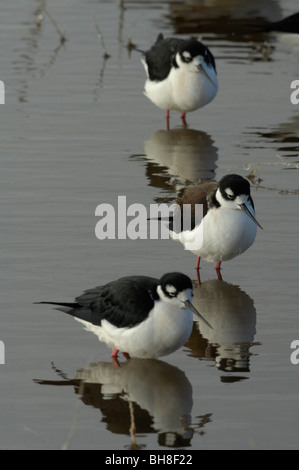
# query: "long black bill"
247,211
202,70
193,309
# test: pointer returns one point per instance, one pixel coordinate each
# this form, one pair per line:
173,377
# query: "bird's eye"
230,195
170,290
186,57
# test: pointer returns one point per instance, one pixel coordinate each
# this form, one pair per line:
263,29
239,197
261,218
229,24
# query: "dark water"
76,131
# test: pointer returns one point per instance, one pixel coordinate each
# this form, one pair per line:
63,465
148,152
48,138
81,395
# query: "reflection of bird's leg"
133,425
115,354
183,117
218,273
167,119
115,361
114,357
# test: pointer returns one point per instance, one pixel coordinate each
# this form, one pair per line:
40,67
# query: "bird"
140,316
290,24
228,226
181,75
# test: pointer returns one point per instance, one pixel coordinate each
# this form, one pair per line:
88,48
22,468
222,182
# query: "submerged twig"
39,19
255,165
62,36
130,45
265,50
74,425
133,426
100,36
256,179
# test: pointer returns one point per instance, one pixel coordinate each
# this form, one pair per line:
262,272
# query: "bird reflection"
232,313
177,157
228,20
141,396
285,136
189,154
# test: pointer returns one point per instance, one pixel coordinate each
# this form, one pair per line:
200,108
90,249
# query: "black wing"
125,302
160,57
289,24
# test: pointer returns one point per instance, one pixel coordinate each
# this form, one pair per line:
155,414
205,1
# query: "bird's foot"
115,361
114,356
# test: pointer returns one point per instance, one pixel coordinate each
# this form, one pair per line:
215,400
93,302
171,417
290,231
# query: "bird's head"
176,289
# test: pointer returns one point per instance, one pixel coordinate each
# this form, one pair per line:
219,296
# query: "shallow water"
76,131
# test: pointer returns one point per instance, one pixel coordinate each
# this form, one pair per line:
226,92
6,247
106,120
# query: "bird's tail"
60,304
76,311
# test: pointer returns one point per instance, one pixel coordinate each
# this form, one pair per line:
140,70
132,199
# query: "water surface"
76,131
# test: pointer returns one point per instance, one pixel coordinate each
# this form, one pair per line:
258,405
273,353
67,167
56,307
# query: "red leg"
218,265
115,352
114,357
126,355
183,117
198,263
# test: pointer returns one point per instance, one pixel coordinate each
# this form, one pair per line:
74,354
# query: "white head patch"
187,55
229,192
170,289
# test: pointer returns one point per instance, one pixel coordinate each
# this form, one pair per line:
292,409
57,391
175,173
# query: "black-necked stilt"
228,227
290,24
181,75
138,315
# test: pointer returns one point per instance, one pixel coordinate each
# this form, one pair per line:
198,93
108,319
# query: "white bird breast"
222,235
